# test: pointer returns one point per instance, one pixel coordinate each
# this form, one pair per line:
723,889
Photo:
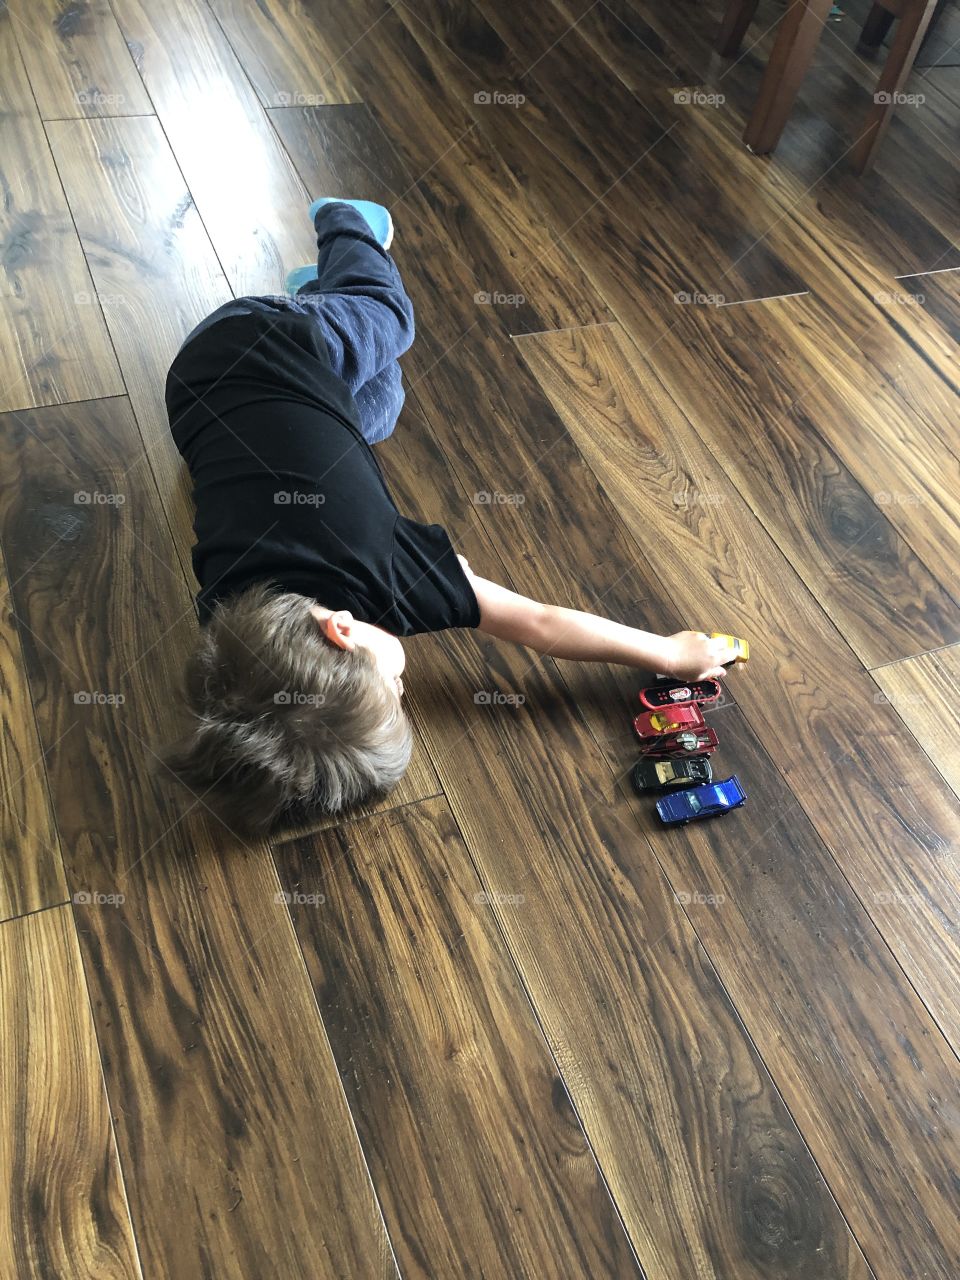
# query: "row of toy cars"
676,746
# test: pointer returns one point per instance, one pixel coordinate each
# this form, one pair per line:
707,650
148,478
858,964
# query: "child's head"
296,712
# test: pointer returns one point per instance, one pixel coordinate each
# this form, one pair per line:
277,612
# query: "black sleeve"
431,590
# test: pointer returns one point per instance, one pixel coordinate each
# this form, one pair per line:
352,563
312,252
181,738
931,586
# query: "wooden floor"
504,1025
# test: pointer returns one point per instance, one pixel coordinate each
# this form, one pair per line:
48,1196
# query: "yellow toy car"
739,648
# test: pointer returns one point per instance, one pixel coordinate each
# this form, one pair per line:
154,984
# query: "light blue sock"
376,216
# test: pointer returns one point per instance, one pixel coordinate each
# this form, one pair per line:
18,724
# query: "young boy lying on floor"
308,573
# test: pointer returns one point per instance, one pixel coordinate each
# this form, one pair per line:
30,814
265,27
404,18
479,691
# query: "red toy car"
653,724
701,742
673,693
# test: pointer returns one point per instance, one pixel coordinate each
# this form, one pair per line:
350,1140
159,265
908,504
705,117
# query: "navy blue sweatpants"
360,305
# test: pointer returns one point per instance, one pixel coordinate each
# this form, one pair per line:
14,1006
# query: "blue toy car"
701,802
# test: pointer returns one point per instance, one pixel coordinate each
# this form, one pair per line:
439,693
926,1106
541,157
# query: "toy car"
740,650
653,724
688,743
701,802
672,693
662,775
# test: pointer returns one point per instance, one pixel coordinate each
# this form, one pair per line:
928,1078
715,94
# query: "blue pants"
362,309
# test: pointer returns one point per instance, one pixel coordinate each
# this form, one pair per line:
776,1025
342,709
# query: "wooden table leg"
797,37
736,19
907,39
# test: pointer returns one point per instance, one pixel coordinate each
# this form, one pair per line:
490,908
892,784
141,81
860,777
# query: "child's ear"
338,628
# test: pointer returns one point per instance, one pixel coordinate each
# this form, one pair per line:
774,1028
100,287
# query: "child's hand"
692,655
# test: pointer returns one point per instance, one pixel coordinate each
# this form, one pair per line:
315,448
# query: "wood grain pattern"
154,270
701,165
868,322
665,1084
867,787
249,198
53,343
292,60
77,60
476,1153
874,375
66,1212
925,691
514,256
829,1010
31,874
802,456
939,295
876,215
655,195
522,432
238,1150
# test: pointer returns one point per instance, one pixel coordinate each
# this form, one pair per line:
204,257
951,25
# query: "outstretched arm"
586,637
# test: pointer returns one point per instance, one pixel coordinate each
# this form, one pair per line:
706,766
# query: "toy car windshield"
679,807
651,724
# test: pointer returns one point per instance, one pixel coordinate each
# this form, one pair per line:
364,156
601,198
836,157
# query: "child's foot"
376,216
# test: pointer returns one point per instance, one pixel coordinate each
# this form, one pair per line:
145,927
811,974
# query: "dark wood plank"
53,342
907,213
625,1049
153,268
869,790
239,1154
476,1152
664,1082
865,313
66,1208
861,1065
31,874
873,214
875,376
654,193
291,60
458,172
871,228
925,692
776,432
249,198
939,294
773,205
77,60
